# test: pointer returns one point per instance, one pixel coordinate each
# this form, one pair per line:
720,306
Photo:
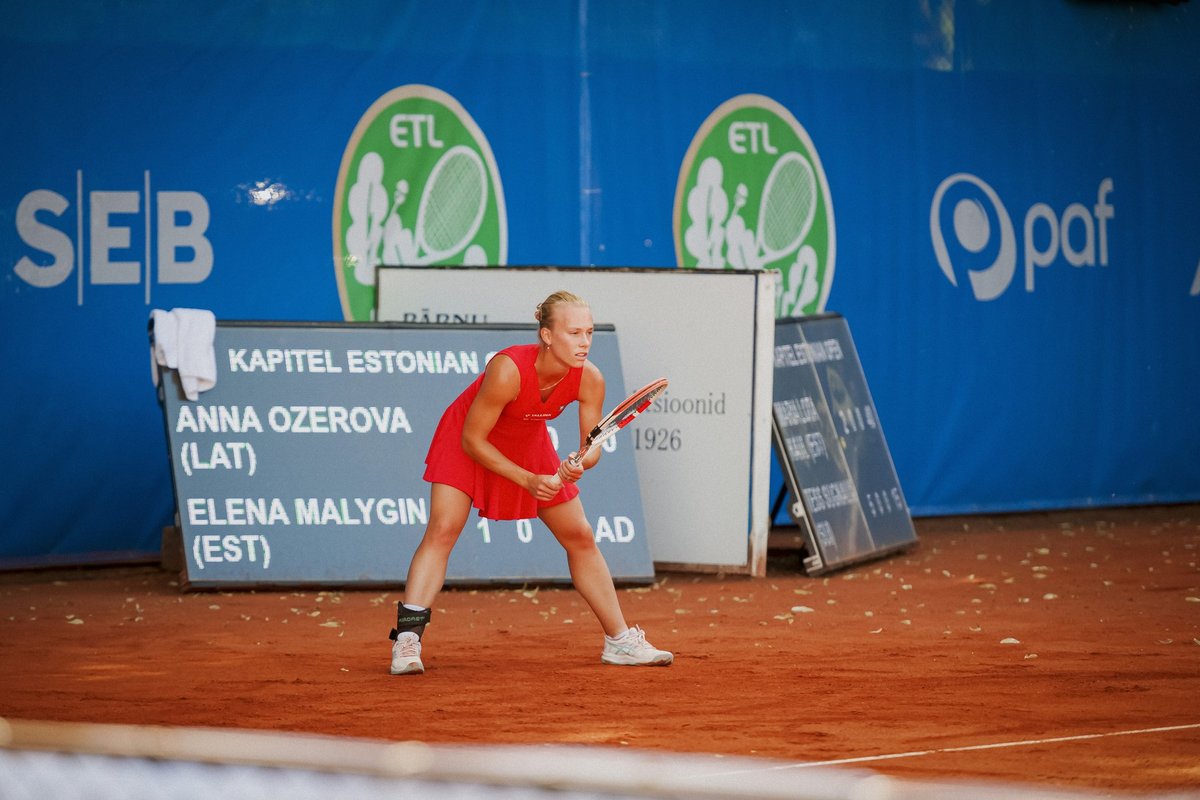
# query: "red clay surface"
992,630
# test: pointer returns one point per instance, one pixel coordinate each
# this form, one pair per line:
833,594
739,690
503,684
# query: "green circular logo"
752,194
418,186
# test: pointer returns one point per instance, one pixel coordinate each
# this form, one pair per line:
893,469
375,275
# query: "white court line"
963,749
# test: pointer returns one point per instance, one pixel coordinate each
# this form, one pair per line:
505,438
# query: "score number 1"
524,530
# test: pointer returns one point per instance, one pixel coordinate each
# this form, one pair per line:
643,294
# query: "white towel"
183,341
164,337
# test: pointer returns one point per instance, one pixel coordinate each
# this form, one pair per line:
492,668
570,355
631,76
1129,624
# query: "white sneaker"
406,655
633,650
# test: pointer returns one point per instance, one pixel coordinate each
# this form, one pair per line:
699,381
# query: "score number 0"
524,530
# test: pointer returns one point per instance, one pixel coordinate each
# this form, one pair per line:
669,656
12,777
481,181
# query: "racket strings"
454,203
621,416
788,206
631,408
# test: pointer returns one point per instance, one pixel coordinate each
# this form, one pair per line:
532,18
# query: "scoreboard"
303,465
845,494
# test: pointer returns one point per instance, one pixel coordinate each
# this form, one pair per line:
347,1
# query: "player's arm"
501,385
591,408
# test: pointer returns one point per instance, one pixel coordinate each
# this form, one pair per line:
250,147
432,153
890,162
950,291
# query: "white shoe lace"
635,640
408,646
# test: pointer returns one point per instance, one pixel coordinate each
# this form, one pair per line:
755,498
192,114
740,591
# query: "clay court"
1054,649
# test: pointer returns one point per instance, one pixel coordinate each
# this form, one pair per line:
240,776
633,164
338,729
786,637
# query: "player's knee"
579,538
441,536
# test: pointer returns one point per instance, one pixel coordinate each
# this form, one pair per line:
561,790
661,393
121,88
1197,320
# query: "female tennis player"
492,451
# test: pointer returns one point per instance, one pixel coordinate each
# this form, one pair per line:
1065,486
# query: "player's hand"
569,471
544,487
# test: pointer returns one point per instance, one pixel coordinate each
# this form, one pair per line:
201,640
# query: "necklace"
556,383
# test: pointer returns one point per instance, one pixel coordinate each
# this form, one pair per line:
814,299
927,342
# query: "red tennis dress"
520,434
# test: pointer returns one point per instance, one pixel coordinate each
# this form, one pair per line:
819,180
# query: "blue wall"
1079,392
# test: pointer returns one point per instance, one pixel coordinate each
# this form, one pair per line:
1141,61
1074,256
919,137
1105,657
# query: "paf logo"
418,185
752,194
984,242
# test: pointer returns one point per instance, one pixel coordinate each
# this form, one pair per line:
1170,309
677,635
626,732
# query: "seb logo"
120,233
972,231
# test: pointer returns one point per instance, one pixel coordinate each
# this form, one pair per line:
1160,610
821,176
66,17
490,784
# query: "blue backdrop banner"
999,197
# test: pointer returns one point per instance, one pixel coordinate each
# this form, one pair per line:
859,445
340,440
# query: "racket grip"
574,458
558,478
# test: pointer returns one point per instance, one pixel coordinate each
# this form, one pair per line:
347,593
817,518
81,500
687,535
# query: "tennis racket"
452,205
787,207
618,418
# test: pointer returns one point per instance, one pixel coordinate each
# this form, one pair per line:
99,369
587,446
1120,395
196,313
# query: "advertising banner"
999,197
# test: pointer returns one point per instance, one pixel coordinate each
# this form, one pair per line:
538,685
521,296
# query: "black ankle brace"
409,621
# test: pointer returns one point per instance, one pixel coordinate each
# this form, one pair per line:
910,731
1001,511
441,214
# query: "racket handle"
575,459
558,478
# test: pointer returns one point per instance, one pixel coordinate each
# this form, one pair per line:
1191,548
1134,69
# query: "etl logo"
985,243
174,221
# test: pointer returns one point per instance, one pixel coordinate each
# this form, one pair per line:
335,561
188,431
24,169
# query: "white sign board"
703,452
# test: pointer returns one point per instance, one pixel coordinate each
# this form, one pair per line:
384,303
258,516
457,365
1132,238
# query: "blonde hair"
547,309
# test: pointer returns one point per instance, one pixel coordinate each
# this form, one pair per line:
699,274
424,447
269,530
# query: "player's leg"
449,509
448,512
589,573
